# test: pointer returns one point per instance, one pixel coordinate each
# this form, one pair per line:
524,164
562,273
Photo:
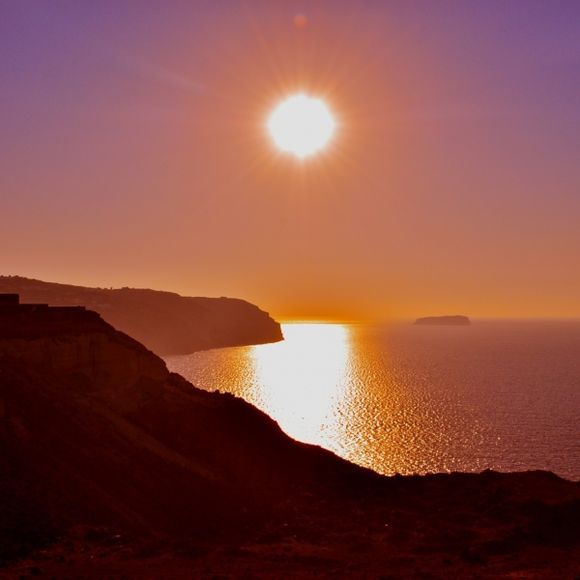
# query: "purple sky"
133,152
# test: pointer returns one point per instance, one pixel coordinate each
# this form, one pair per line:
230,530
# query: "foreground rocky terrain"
164,322
111,465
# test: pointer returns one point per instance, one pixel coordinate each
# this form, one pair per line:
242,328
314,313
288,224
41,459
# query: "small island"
456,320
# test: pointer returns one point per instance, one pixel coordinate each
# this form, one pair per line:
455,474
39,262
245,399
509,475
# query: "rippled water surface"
407,399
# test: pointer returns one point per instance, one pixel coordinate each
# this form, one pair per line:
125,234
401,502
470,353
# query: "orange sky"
134,153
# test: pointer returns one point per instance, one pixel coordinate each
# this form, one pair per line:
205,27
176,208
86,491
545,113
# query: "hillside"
110,464
165,322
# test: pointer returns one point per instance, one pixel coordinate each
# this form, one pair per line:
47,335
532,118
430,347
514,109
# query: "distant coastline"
164,322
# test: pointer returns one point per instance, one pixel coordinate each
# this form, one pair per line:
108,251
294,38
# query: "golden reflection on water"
302,381
322,388
405,399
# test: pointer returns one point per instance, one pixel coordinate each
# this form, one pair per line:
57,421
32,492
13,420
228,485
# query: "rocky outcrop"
76,345
164,322
115,466
455,320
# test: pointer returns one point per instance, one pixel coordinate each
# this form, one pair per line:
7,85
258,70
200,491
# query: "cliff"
111,465
165,322
456,320
99,432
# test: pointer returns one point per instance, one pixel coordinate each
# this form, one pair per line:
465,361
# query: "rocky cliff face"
163,321
77,346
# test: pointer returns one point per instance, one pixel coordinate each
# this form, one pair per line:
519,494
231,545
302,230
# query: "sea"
399,398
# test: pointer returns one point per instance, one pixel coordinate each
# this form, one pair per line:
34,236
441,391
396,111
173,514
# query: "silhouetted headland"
113,466
165,322
455,320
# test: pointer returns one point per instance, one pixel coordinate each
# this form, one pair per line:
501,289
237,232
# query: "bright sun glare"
301,125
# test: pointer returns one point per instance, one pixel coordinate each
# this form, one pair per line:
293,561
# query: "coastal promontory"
164,322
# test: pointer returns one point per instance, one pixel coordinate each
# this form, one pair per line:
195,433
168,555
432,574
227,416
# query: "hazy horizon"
328,320
134,153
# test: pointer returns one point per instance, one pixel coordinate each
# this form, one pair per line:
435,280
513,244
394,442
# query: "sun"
301,125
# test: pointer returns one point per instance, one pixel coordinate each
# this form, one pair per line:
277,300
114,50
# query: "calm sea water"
407,399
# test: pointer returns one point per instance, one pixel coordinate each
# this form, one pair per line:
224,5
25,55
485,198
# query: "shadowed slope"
111,437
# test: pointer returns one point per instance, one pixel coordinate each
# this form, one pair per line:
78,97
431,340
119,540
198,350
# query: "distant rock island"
112,466
455,320
164,322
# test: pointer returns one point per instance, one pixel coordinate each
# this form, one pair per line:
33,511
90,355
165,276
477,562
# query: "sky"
133,152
